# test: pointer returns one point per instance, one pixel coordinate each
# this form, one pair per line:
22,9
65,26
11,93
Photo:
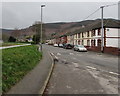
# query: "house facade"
92,40
90,37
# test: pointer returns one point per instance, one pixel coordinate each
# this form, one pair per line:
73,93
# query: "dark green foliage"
16,62
37,29
11,39
36,39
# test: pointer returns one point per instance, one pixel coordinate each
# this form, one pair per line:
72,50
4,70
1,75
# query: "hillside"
52,29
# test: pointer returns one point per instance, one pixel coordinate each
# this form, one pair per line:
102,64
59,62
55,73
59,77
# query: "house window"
78,35
99,42
99,32
92,42
78,42
88,42
82,35
88,34
108,29
93,33
82,42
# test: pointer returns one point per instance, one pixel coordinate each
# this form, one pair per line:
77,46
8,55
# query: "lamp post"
102,33
41,27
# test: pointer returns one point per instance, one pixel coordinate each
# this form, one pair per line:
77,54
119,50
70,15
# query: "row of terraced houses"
90,37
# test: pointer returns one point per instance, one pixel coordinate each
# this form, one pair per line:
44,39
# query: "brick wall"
108,50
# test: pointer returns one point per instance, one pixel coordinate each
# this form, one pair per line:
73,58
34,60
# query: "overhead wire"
109,6
91,14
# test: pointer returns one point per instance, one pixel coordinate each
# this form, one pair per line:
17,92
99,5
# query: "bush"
11,39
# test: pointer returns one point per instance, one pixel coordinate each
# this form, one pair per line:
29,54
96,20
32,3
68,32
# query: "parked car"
80,48
68,46
55,45
46,43
61,45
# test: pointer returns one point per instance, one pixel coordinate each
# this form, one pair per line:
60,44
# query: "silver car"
80,48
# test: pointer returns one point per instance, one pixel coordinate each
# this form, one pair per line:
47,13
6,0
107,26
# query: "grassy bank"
16,62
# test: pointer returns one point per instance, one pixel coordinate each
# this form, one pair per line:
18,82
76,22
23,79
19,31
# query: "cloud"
24,14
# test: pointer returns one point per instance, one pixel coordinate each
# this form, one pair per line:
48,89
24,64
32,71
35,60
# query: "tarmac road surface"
83,72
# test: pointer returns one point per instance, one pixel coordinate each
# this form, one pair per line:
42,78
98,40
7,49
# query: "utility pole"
102,33
41,27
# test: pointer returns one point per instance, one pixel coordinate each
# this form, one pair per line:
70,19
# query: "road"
83,72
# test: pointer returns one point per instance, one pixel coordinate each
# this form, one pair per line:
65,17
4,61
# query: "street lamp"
41,27
102,33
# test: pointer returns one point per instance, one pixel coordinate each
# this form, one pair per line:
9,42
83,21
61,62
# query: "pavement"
14,46
34,81
83,73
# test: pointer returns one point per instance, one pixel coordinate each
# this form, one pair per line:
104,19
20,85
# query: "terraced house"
90,36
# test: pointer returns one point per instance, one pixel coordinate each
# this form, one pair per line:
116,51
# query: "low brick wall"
112,50
96,49
108,50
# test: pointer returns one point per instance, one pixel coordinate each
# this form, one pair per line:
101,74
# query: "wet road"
83,73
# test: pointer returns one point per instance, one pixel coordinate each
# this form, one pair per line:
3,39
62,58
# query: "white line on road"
91,67
64,60
76,65
58,54
74,58
113,73
54,56
71,53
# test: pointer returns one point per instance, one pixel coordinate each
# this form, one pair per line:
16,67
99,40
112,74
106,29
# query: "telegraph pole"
102,33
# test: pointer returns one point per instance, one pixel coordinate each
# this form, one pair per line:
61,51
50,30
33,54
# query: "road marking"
54,56
113,73
58,54
71,53
64,60
91,67
68,87
74,58
76,65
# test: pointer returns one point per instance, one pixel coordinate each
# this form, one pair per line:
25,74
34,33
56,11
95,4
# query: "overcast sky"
24,14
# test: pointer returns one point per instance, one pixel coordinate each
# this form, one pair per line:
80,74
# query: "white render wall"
113,32
112,37
111,42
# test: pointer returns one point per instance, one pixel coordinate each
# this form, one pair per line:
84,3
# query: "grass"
10,44
16,62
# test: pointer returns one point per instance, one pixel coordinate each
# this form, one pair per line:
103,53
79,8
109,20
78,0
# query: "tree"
36,39
11,39
37,29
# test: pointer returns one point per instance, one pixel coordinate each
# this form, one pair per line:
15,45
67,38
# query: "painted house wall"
70,39
112,37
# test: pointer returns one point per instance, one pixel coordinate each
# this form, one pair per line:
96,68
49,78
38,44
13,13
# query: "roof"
108,23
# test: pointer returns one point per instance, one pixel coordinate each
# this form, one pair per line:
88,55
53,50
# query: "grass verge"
16,62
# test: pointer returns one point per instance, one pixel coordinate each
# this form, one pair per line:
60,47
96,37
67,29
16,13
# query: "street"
83,72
